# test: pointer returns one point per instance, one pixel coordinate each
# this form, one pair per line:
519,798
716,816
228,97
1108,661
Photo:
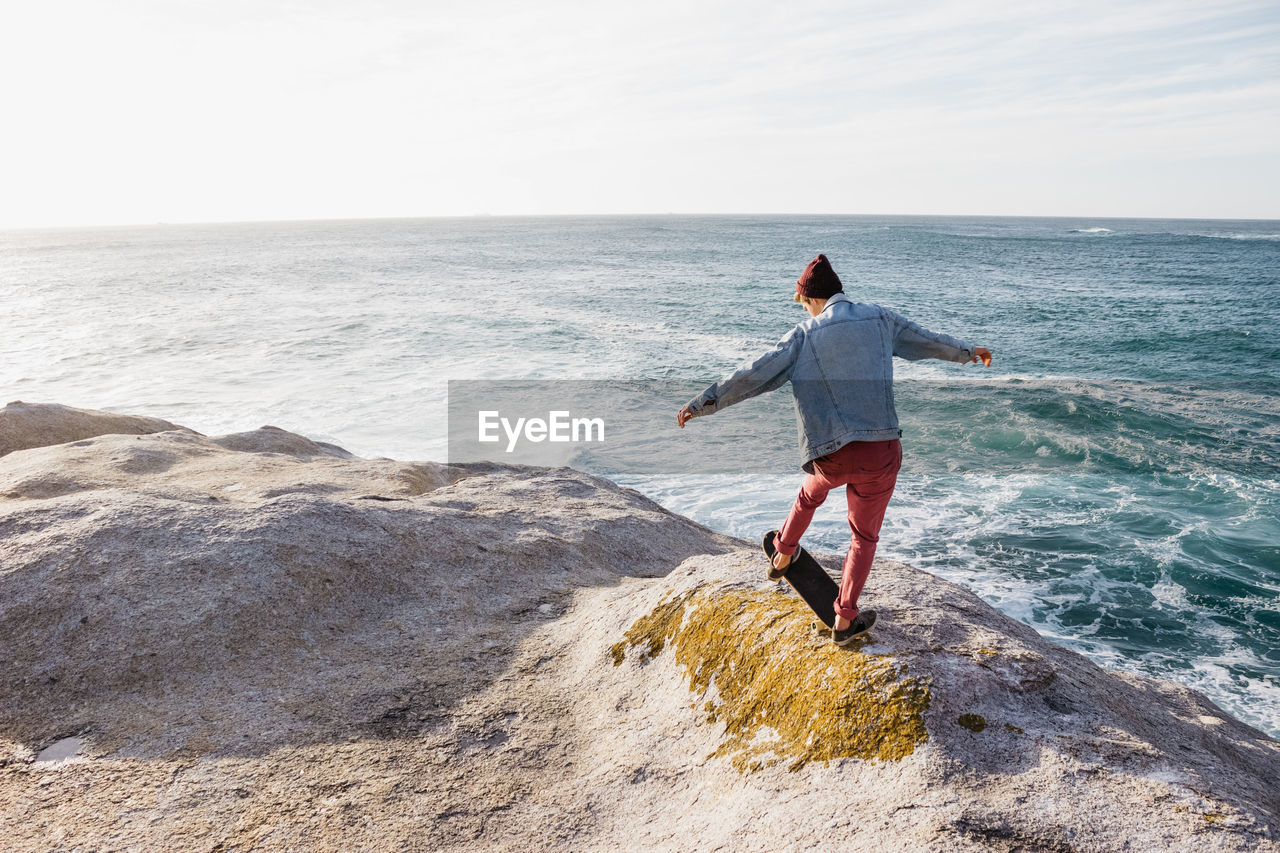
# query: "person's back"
843,374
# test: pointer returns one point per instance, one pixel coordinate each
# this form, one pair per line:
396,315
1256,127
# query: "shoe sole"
770,572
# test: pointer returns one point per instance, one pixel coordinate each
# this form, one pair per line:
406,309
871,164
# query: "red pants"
869,471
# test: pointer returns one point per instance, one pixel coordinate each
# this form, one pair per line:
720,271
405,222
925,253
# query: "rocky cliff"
259,642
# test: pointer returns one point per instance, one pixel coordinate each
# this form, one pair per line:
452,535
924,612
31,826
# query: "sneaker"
779,574
860,625
771,542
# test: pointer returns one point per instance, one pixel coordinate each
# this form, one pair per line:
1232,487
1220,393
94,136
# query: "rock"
27,425
261,642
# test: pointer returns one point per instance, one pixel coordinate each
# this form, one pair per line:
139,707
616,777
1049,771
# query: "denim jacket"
840,366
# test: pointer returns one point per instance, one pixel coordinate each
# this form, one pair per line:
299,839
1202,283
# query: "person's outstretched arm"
914,342
766,373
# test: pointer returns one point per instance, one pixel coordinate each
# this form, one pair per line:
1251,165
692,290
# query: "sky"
139,111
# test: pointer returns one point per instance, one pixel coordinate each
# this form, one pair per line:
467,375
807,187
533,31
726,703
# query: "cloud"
148,110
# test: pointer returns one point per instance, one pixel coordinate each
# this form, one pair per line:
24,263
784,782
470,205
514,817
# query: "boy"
840,366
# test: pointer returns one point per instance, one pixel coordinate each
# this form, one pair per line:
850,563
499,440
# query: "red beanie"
819,280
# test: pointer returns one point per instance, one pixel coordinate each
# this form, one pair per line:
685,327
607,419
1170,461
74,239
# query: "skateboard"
809,579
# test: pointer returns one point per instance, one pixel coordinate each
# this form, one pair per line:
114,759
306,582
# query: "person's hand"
781,560
683,416
982,354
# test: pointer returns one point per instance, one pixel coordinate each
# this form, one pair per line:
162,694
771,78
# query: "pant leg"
812,494
868,492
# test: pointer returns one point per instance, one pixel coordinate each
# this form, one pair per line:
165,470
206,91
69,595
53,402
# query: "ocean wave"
1091,231
1239,236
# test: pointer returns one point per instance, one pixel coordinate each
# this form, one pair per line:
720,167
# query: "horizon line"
670,215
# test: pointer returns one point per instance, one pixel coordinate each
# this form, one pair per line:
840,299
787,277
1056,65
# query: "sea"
1112,480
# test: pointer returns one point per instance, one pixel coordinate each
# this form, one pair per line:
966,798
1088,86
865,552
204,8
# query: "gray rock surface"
262,642
24,425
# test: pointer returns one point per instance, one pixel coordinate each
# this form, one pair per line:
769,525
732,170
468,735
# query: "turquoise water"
1113,479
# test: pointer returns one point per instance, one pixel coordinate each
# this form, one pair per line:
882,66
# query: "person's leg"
869,491
812,494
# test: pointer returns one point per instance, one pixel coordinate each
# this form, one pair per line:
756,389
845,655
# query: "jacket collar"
834,298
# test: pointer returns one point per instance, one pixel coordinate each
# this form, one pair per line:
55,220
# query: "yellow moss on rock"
782,694
653,629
